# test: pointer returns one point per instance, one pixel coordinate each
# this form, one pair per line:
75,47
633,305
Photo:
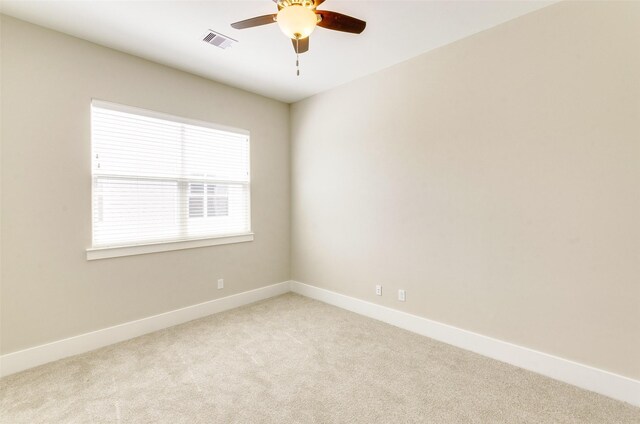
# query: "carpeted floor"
293,360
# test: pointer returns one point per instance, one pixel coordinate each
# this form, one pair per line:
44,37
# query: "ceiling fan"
298,18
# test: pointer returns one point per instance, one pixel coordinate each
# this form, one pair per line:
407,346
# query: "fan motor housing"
305,3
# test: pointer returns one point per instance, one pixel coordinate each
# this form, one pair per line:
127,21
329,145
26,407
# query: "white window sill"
141,249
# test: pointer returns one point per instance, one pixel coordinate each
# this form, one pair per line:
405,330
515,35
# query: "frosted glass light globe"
297,21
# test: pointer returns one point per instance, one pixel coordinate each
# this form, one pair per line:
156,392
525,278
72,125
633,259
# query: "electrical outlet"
220,283
379,290
402,295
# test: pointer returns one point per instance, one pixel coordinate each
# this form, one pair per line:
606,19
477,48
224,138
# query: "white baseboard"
32,357
583,376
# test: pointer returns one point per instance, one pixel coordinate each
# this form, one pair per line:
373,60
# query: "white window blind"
158,178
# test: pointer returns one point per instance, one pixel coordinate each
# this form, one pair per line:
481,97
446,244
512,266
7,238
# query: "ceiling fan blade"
339,22
254,22
301,45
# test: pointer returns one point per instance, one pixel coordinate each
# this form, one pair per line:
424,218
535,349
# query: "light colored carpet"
293,360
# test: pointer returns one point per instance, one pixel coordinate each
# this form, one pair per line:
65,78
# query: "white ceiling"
170,32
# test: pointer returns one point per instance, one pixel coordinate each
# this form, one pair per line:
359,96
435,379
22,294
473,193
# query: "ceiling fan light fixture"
297,21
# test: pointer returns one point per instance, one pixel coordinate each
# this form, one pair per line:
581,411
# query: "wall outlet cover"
402,295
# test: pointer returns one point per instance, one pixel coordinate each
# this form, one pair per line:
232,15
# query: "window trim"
94,253
165,246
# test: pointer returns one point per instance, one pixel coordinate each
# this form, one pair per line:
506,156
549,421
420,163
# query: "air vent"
218,40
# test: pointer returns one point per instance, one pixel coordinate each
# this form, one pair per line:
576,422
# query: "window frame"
169,245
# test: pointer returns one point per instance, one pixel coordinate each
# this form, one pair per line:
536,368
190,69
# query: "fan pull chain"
297,57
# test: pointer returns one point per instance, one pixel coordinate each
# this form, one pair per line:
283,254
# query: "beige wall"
496,179
49,290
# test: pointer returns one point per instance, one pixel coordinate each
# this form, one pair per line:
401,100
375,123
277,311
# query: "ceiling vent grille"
218,40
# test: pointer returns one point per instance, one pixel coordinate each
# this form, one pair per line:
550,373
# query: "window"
159,178
206,200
